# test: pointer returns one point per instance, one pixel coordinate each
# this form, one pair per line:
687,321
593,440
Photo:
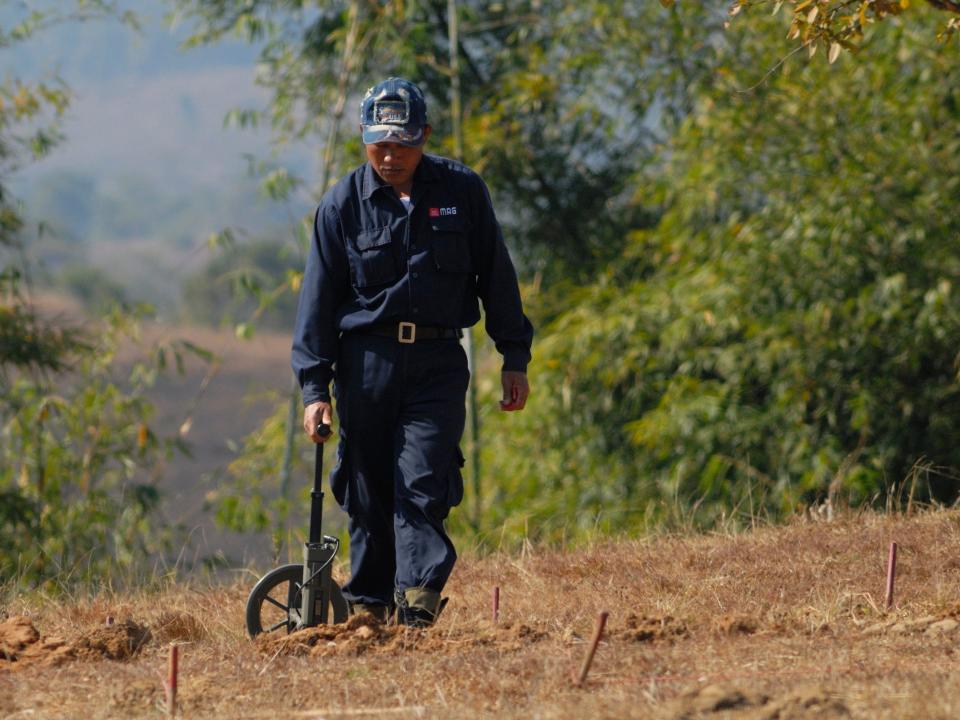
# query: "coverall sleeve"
322,292
497,287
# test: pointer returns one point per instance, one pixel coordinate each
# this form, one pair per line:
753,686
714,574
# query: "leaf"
812,15
667,3
834,52
200,352
811,49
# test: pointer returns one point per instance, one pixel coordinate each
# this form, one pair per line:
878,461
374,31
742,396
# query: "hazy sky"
145,140
142,106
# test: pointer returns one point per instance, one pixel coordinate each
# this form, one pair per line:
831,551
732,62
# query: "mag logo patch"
437,212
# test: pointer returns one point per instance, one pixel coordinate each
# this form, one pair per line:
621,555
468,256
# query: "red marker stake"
591,651
496,604
891,573
172,681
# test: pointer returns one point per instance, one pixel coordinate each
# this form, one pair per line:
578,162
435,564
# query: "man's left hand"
515,390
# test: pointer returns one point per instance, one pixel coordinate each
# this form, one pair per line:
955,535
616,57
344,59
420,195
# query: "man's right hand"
313,415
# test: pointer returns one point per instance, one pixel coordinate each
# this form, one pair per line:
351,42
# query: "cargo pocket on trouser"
340,478
455,480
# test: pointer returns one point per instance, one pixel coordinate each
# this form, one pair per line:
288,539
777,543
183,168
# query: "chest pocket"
451,246
373,263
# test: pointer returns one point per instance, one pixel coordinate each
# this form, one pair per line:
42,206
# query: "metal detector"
293,597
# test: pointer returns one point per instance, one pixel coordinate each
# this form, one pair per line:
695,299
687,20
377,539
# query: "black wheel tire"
274,602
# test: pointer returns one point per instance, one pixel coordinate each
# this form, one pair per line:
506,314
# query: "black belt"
408,332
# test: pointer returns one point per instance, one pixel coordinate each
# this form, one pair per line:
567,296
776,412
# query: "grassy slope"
700,626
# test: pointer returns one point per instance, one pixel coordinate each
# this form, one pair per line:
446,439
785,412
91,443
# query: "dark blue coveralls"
371,266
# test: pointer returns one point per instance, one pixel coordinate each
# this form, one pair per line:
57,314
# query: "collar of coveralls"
425,172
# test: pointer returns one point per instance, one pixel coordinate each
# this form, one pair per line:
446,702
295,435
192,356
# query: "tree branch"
947,5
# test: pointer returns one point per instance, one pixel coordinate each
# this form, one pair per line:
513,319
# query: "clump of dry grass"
790,620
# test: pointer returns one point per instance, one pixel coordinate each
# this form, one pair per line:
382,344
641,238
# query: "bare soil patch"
805,703
21,644
364,634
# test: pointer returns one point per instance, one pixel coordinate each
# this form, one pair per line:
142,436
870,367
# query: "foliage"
743,280
79,463
94,288
841,24
557,154
245,282
789,331
251,496
548,120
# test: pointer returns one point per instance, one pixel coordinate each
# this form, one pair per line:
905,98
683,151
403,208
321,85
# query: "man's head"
393,122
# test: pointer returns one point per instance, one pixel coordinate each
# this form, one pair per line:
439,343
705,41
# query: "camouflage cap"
393,111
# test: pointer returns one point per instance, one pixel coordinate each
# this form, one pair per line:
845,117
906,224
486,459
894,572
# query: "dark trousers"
401,413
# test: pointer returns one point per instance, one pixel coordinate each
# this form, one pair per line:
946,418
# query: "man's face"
396,163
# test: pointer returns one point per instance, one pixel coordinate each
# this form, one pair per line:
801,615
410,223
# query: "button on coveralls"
401,406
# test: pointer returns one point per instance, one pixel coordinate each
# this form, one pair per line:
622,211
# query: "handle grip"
323,430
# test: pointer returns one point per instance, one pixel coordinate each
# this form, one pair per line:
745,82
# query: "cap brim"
404,135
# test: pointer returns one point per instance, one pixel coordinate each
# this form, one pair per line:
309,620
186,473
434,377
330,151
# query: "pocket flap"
448,223
372,238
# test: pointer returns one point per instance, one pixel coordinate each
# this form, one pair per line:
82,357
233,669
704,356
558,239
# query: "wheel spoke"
277,603
279,625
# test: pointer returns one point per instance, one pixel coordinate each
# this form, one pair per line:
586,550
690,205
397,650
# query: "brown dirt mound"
809,703
22,645
363,633
943,623
177,627
641,628
804,704
735,625
121,641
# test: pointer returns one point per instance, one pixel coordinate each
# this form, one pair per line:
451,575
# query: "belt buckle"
406,333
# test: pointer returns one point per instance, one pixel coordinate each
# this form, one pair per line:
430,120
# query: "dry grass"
777,623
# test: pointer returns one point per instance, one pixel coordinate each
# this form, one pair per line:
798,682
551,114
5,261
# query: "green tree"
247,281
835,25
557,110
742,280
555,123
788,333
79,464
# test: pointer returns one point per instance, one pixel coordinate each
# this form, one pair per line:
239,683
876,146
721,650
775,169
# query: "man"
403,248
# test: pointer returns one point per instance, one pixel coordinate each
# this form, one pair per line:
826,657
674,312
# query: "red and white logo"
434,212
437,212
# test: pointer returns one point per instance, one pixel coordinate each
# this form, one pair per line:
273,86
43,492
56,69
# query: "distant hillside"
147,170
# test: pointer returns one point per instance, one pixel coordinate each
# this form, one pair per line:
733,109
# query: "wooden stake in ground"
496,604
592,649
172,681
891,573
